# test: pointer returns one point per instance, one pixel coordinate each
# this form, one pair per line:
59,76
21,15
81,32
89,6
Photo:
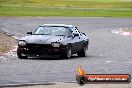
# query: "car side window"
69,32
40,30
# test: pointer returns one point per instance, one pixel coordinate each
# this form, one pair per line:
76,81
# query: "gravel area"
6,43
128,29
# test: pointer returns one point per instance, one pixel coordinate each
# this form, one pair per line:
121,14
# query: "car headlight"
56,44
22,43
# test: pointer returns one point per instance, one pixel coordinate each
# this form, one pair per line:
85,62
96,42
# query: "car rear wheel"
83,52
67,54
20,56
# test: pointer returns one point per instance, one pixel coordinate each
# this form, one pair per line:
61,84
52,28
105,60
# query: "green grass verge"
71,3
74,8
31,11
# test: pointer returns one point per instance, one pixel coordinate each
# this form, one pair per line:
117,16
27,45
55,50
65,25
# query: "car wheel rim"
85,50
69,53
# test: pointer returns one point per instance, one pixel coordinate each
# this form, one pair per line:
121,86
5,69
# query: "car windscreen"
52,30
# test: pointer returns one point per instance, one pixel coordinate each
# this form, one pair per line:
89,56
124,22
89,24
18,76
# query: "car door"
76,41
79,41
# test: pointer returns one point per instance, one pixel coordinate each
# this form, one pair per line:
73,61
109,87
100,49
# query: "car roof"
64,25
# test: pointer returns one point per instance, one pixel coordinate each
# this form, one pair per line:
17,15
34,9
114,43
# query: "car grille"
39,45
39,48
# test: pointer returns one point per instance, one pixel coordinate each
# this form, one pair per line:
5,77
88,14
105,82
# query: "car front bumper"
41,50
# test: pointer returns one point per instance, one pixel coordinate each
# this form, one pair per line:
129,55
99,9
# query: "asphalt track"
108,52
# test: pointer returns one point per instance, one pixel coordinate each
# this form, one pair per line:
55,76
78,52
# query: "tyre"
20,56
83,52
67,53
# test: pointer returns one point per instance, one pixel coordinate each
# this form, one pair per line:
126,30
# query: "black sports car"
53,39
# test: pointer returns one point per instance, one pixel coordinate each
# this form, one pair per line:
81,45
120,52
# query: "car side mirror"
84,34
29,33
76,34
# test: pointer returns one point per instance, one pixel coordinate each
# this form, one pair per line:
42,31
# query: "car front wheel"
20,56
83,52
67,53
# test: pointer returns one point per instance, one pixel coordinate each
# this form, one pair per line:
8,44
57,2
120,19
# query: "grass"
31,11
70,3
77,8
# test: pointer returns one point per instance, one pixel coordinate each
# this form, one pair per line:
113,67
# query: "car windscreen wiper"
59,35
41,34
